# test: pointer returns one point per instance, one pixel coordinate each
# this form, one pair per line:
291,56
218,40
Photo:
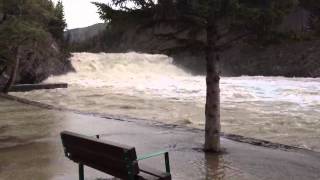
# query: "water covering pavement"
30,148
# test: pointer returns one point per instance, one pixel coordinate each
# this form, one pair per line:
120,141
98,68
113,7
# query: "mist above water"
279,109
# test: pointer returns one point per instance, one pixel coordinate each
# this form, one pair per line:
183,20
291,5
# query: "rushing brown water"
284,110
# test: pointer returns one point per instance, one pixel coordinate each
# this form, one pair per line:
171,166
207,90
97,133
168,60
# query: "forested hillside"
31,40
83,39
283,36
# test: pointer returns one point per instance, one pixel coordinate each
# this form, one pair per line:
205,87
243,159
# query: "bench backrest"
109,157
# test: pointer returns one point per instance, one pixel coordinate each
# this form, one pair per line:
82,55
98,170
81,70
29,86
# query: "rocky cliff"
41,61
295,55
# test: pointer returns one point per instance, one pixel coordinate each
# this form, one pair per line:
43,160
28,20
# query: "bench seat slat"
95,161
85,153
105,147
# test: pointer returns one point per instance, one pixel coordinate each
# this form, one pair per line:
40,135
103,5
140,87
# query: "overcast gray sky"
81,13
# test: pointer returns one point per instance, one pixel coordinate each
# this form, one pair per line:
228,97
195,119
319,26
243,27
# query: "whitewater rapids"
278,109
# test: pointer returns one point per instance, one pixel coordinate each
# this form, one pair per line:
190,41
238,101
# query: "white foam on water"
280,109
133,73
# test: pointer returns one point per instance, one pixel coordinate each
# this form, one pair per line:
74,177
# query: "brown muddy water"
30,148
278,109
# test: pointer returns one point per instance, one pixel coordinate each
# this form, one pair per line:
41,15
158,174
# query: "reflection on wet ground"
30,148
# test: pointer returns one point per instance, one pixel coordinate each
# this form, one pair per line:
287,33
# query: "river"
278,109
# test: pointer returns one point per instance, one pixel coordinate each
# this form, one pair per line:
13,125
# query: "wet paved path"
30,148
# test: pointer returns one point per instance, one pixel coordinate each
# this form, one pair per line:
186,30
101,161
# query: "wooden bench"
118,160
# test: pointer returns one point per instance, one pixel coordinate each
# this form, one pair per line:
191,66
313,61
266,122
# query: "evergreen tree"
314,20
222,21
58,23
26,24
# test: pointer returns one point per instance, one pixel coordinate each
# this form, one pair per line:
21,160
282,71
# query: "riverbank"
31,149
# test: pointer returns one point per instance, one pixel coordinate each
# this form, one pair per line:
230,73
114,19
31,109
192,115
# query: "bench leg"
81,172
166,158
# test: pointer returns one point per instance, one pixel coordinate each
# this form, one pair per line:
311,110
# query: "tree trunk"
13,73
212,109
3,70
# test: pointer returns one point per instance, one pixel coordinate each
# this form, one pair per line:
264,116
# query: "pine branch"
3,70
3,19
229,43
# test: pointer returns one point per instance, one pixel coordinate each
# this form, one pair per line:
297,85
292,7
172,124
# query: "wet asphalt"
30,148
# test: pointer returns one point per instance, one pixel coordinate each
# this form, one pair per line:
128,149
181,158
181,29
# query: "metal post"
166,158
129,167
81,173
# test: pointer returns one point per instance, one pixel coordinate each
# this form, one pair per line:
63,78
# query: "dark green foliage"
15,32
236,19
27,22
124,5
31,33
57,25
122,13
314,21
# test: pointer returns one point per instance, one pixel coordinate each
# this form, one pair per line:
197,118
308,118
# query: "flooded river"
278,109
